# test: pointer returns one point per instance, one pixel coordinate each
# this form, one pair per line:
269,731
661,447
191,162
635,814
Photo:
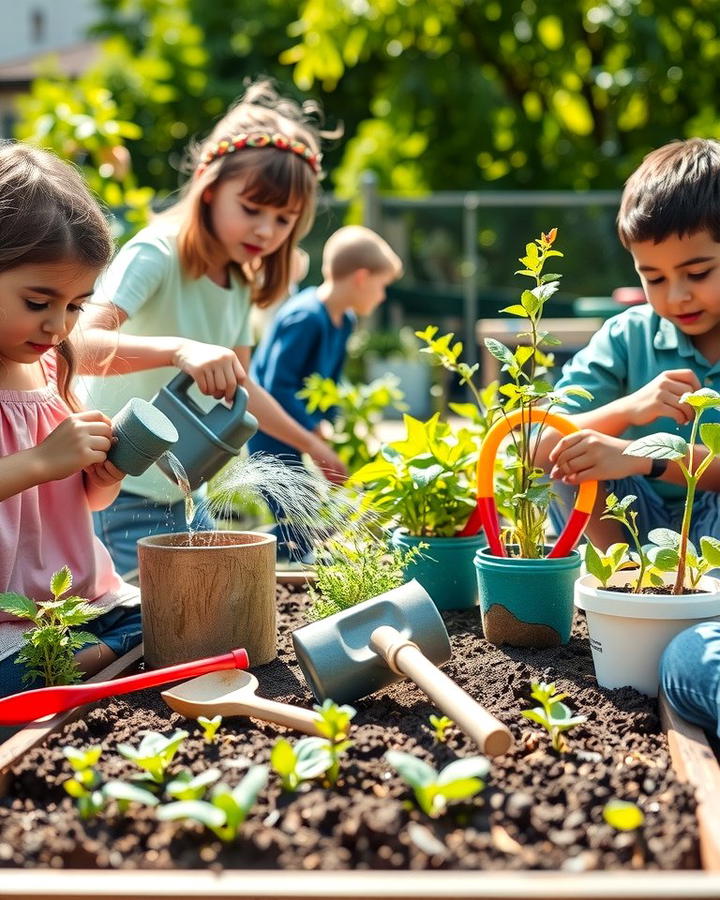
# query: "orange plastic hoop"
485,513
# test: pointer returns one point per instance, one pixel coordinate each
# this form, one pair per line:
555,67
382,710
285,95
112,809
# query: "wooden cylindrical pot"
205,593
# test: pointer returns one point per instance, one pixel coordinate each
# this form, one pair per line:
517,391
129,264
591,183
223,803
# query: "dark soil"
539,810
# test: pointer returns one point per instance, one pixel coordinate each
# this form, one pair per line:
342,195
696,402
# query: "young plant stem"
692,480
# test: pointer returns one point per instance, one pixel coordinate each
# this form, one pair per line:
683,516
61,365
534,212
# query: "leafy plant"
334,725
186,786
49,648
528,389
674,447
227,808
460,780
552,714
307,759
155,753
440,725
86,786
424,482
355,411
209,727
355,568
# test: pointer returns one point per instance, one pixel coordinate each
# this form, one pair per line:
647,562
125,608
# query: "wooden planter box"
692,758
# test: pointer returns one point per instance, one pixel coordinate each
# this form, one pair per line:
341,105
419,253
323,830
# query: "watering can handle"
485,513
182,382
406,658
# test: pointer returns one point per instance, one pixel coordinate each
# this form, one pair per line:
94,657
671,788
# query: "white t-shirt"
146,280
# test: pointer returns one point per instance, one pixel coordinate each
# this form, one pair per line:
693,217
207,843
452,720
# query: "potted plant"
636,602
525,587
423,485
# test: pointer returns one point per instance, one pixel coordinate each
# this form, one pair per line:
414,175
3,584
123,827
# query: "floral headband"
259,139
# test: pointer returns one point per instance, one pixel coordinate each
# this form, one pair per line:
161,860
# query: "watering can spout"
207,440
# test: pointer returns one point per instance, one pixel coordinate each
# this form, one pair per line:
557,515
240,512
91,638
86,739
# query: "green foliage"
460,780
88,791
49,648
425,483
356,410
334,725
302,762
440,725
672,446
354,569
623,815
227,808
155,753
186,786
552,714
209,727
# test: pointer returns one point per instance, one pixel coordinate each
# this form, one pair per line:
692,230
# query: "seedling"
209,727
87,789
440,725
617,558
186,786
552,714
48,651
334,724
307,759
623,815
672,446
155,753
354,569
227,808
460,780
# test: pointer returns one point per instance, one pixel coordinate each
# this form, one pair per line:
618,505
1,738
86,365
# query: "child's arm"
83,439
105,351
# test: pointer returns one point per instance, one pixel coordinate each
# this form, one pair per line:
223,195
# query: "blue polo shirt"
629,351
301,340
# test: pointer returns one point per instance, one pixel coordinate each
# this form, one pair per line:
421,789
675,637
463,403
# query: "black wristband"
657,468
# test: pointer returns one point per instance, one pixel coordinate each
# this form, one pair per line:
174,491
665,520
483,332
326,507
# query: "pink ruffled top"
50,525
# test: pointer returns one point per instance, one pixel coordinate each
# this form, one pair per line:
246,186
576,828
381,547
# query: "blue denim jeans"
131,517
120,629
690,675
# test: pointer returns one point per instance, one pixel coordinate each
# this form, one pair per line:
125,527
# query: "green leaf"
710,549
282,757
461,788
664,558
664,537
622,815
710,436
120,790
18,605
658,446
199,810
414,771
515,310
595,565
499,351
703,399
469,767
245,794
61,581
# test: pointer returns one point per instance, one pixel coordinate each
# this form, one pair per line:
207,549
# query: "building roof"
71,61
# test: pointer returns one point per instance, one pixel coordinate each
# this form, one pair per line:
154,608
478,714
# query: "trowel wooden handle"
406,658
296,717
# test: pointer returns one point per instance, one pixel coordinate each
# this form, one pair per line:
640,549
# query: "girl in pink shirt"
54,242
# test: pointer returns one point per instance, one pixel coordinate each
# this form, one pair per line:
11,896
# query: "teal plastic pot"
526,602
444,568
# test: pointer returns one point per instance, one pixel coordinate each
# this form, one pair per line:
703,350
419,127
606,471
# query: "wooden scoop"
233,694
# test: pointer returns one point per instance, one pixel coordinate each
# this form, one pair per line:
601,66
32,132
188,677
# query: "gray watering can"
398,634
207,440
142,434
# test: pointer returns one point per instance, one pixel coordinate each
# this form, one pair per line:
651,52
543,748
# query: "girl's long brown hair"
273,177
48,215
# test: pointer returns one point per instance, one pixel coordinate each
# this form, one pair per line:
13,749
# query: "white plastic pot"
628,632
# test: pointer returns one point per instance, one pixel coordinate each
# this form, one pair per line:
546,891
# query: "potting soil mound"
539,810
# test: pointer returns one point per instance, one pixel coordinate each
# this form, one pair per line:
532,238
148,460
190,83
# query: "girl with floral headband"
193,274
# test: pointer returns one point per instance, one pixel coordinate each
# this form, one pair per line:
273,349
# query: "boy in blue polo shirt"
642,361
310,333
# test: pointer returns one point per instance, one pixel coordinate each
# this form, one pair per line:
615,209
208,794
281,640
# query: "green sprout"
209,727
440,725
672,446
460,780
623,815
334,724
227,808
86,786
186,786
552,714
155,753
48,650
307,759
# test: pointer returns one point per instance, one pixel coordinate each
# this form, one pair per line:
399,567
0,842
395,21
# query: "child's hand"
103,474
81,440
217,370
590,455
330,464
660,398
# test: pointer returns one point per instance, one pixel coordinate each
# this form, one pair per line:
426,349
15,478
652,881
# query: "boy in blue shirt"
643,360
309,334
